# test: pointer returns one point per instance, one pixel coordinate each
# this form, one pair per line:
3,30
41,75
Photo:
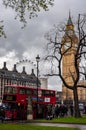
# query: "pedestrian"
2,115
85,109
62,110
57,110
71,110
53,111
49,112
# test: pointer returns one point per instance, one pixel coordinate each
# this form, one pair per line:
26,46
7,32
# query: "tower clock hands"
67,45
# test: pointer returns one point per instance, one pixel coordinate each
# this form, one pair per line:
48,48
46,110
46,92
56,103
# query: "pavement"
80,126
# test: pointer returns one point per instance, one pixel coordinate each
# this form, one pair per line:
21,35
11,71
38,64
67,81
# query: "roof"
15,75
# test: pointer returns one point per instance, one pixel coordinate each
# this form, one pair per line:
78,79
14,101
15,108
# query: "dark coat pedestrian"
71,110
2,115
57,110
49,112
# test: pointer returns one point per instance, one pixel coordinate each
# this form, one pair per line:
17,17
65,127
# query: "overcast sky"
28,42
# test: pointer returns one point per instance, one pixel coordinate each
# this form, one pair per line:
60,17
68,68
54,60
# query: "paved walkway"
81,127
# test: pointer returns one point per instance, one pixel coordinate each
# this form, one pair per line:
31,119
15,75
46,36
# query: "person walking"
2,115
49,112
71,110
57,111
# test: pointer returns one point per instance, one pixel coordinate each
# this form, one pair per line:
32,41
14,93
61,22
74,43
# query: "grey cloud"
30,41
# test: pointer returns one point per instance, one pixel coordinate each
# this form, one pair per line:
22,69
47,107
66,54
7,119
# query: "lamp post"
1,86
37,60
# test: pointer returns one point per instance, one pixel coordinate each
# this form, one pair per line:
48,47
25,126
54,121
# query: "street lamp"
37,60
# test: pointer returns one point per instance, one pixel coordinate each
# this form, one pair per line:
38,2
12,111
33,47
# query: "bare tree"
57,49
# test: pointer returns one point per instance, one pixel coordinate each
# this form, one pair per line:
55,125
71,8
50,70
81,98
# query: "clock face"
76,45
67,45
70,32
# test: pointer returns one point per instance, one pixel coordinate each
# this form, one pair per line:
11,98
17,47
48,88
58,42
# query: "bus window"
6,90
14,90
43,93
39,93
10,90
48,93
22,91
34,92
52,93
29,92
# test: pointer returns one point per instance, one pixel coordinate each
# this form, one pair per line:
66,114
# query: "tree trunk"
76,106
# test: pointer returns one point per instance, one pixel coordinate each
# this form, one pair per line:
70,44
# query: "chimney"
32,72
4,66
14,69
23,72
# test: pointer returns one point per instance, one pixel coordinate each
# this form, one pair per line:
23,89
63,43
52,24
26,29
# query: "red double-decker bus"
15,99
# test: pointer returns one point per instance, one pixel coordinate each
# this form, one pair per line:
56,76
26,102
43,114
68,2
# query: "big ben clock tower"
69,45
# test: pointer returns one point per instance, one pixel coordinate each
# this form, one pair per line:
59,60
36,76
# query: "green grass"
30,127
10,126
72,120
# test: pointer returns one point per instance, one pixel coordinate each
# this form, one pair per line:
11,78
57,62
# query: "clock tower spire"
69,27
69,22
